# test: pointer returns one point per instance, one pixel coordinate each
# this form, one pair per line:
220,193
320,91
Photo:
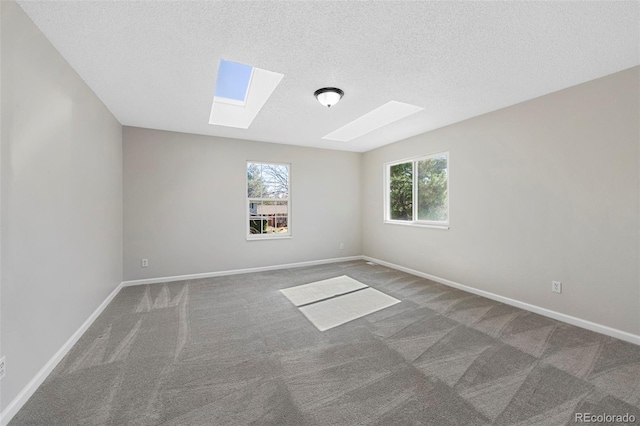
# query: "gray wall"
61,201
540,191
185,198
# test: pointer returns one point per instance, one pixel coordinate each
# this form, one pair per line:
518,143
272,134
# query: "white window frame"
260,237
414,221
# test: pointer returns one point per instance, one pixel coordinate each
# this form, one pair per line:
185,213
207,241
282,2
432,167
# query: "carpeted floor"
234,351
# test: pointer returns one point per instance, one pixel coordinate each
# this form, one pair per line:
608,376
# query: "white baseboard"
598,328
238,271
16,404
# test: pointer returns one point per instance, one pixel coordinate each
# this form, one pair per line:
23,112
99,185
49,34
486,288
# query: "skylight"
386,114
241,92
232,84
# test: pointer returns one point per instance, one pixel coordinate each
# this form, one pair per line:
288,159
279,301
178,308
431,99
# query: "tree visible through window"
268,208
417,190
401,191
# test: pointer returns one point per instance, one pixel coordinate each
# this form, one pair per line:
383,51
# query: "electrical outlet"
3,367
145,263
341,246
556,286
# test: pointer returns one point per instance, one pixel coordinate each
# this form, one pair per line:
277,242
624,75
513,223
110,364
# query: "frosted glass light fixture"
328,96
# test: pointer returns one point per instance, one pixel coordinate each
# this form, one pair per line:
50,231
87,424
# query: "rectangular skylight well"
233,108
386,114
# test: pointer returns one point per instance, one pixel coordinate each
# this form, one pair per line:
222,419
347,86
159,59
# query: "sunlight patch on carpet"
336,301
320,290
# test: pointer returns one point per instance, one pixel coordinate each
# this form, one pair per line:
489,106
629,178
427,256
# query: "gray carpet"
234,351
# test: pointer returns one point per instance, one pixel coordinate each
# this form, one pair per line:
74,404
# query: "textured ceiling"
154,64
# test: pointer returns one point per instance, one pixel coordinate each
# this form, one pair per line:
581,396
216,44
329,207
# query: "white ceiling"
154,64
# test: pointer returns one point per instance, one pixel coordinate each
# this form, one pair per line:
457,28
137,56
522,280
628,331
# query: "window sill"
416,224
282,237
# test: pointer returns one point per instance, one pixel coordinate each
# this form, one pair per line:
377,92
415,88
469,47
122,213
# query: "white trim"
578,322
220,99
273,236
238,271
16,404
419,225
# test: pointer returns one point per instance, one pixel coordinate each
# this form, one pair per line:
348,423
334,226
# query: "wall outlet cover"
556,286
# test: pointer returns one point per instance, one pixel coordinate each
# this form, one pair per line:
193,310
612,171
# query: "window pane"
268,217
256,225
401,191
256,219
432,189
282,223
276,180
253,207
255,185
273,208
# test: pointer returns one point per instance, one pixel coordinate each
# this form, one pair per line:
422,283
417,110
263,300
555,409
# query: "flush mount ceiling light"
328,96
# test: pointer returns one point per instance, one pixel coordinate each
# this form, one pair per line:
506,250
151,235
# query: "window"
417,191
268,204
